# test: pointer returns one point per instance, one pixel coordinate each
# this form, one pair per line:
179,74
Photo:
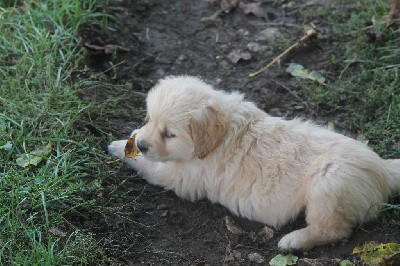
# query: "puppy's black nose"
142,146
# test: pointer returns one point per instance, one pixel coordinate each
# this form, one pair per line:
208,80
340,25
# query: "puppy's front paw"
117,148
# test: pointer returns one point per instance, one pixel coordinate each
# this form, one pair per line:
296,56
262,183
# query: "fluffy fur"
205,143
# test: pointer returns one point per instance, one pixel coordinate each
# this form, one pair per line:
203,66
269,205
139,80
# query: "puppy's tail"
393,167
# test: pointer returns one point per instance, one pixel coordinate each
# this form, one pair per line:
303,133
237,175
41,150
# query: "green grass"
366,98
39,54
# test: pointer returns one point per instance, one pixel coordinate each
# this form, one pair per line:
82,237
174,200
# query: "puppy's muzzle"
143,147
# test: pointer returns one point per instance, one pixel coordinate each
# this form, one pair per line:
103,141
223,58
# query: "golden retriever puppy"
206,143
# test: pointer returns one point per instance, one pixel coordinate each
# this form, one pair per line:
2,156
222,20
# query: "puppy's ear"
207,128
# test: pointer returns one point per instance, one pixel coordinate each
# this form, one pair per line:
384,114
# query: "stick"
308,35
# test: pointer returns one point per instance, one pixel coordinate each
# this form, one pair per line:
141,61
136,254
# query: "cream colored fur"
205,143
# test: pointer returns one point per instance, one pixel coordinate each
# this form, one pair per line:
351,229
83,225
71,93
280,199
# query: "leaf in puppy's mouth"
130,148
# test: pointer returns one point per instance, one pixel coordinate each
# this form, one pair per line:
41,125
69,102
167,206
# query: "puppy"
205,143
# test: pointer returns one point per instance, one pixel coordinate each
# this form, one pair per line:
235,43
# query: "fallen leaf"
35,157
57,232
232,227
130,148
5,145
298,70
254,9
394,6
237,55
373,253
345,263
281,260
107,49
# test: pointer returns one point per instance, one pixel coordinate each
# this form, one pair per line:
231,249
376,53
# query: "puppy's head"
184,120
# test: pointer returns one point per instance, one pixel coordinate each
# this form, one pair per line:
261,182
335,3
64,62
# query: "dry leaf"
373,253
107,49
255,9
232,227
130,148
34,157
237,55
394,6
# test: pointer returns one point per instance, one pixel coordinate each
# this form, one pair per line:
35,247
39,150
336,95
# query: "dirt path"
140,223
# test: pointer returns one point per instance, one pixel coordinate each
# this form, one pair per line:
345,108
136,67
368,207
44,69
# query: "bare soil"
137,223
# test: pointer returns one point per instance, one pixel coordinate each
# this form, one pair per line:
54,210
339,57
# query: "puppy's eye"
168,135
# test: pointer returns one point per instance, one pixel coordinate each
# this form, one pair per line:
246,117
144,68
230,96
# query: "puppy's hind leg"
328,216
314,235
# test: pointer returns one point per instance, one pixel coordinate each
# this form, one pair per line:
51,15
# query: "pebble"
267,34
267,233
257,258
256,47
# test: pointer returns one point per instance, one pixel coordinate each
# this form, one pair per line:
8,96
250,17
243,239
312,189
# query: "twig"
114,161
346,67
308,35
276,24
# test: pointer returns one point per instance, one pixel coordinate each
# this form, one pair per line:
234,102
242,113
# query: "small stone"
253,46
243,32
162,207
256,47
164,214
236,55
317,262
267,233
180,59
237,254
257,258
267,34
289,5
